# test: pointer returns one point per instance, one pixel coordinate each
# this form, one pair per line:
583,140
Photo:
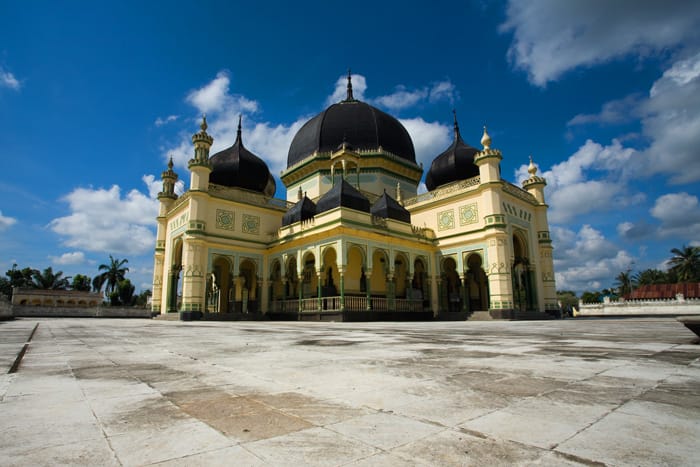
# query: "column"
368,287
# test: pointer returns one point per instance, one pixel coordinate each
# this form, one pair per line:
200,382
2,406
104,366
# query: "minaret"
535,185
488,160
166,199
199,165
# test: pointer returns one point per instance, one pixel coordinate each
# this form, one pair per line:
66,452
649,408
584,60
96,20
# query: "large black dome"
238,167
358,124
455,163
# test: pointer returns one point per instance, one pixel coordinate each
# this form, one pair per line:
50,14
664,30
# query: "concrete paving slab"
641,433
264,393
315,446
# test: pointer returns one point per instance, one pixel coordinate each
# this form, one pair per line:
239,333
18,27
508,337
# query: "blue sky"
94,96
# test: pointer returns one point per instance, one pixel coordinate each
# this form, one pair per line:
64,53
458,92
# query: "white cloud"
403,98
594,173
8,80
271,143
551,37
163,121
75,257
215,97
359,86
6,222
679,214
586,260
102,220
429,138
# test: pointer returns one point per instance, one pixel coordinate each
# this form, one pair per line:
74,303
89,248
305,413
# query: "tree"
591,297
126,292
623,281
685,262
142,298
16,278
47,279
112,274
81,283
650,277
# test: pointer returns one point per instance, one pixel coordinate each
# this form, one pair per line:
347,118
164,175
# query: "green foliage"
623,282
591,297
81,283
125,289
47,279
567,298
650,277
111,275
142,298
685,263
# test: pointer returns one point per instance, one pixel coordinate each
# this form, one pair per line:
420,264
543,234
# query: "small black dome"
304,209
388,208
342,194
238,167
358,124
456,163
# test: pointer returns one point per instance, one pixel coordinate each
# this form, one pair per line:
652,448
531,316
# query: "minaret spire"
456,125
238,133
350,97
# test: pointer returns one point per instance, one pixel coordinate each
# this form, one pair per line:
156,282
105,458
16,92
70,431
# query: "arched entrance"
522,275
451,296
330,276
246,293
477,284
174,285
401,275
219,286
291,287
419,284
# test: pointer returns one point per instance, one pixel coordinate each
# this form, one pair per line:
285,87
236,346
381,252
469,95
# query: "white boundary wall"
671,307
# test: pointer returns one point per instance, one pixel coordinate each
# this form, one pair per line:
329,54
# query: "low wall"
5,309
28,311
678,306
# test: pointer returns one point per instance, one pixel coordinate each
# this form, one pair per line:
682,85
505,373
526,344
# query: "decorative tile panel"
251,224
446,220
224,219
468,214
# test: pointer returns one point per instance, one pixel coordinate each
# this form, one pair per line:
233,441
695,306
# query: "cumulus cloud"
163,121
6,222
105,221
585,259
403,98
8,80
75,257
551,37
595,173
618,111
429,138
340,91
679,215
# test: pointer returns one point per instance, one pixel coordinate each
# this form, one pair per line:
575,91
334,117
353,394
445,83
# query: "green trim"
326,157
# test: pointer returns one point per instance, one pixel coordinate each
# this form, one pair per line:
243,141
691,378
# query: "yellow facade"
477,247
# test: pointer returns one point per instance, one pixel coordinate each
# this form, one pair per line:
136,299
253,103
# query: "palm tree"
623,281
113,273
649,277
47,279
686,263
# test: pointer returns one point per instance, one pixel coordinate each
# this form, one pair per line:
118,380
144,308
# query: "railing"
669,306
353,303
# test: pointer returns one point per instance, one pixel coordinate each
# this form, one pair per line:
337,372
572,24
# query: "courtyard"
142,392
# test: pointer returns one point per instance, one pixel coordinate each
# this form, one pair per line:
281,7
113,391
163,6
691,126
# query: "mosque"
353,241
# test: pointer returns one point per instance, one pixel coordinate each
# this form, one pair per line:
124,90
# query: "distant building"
665,291
353,240
54,298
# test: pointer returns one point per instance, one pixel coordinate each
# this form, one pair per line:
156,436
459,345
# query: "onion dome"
238,167
342,195
304,209
456,163
388,208
358,124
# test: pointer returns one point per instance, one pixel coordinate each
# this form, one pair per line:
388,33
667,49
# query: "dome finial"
170,163
456,125
204,125
486,139
238,133
532,168
350,96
